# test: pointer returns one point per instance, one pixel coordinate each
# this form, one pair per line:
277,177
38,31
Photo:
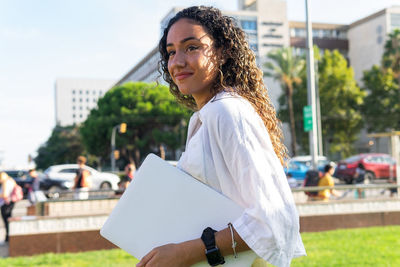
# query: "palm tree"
286,70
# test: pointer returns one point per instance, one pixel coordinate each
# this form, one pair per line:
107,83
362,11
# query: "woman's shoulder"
226,105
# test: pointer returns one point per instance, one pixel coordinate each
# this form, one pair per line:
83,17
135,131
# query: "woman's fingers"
146,259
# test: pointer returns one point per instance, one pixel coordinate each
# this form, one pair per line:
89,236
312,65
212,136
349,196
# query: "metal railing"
63,195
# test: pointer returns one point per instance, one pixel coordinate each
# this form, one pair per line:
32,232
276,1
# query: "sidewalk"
19,210
3,249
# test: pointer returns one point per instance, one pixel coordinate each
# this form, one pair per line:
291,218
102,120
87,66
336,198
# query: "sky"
43,40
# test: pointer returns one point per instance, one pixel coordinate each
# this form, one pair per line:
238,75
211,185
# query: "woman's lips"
182,75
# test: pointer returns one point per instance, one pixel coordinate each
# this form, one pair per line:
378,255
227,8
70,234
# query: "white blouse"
228,148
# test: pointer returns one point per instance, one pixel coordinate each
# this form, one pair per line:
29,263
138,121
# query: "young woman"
234,141
7,186
81,181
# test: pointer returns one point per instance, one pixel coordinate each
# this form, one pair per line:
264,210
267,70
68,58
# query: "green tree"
152,115
286,69
340,100
63,146
382,105
391,55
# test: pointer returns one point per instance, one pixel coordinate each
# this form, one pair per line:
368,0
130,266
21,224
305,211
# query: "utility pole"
122,129
319,126
311,90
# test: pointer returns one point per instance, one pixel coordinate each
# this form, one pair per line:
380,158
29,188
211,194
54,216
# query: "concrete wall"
366,42
71,233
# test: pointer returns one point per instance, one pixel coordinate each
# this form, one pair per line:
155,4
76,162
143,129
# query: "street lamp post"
311,89
122,129
114,130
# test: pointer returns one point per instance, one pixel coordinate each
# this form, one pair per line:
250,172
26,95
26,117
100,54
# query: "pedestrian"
7,186
291,181
81,181
327,180
34,192
129,170
393,191
359,178
234,141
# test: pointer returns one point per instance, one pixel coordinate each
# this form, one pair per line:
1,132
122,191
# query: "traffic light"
116,154
122,127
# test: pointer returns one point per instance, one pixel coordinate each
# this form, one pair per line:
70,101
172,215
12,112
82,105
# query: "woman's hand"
164,256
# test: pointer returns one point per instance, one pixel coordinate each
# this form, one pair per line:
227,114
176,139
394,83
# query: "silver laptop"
165,205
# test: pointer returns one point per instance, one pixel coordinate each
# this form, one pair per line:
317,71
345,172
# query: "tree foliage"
287,70
391,55
340,101
382,104
63,146
152,115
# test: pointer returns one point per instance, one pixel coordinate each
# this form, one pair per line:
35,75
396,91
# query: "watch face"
214,257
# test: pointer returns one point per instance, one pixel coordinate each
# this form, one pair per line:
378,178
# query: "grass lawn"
375,246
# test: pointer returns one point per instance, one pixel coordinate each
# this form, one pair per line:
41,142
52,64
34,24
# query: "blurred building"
367,38
74,98
267,27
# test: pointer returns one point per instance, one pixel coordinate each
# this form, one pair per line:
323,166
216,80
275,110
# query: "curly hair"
237,72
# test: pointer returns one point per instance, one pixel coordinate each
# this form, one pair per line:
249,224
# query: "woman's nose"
179,59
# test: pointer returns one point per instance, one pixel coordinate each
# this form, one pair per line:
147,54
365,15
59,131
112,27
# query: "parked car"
48,185
298,166
67,172
377,166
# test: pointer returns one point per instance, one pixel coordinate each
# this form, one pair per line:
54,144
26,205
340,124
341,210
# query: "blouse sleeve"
269,224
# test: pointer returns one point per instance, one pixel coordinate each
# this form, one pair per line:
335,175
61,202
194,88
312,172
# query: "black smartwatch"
213,254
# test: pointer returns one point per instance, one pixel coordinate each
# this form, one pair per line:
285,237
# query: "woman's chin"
184,91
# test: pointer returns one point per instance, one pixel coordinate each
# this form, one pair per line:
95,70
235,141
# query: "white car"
98,180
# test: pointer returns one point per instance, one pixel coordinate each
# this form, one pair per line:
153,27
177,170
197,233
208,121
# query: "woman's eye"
192,47
170,53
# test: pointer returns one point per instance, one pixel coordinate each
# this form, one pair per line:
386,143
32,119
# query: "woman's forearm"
194,250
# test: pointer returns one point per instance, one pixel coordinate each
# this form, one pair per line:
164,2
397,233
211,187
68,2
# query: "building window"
394,21
272,45
80,92
73,92
73,107
249,25
94,100
73,99
379,39
252,37
87,92
272,36
73,116
254,47
87,100
268,23
80,107
379,29
299,32
80,116
80,99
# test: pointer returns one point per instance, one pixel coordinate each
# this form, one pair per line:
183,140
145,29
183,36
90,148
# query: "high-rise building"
74,98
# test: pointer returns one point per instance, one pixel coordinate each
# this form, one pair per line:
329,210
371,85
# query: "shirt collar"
221,95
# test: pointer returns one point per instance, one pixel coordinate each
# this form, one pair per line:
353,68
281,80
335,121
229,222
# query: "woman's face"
192,59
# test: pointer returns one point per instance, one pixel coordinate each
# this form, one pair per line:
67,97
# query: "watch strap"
209,238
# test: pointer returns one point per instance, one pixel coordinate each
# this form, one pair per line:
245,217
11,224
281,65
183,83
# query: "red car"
377,166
